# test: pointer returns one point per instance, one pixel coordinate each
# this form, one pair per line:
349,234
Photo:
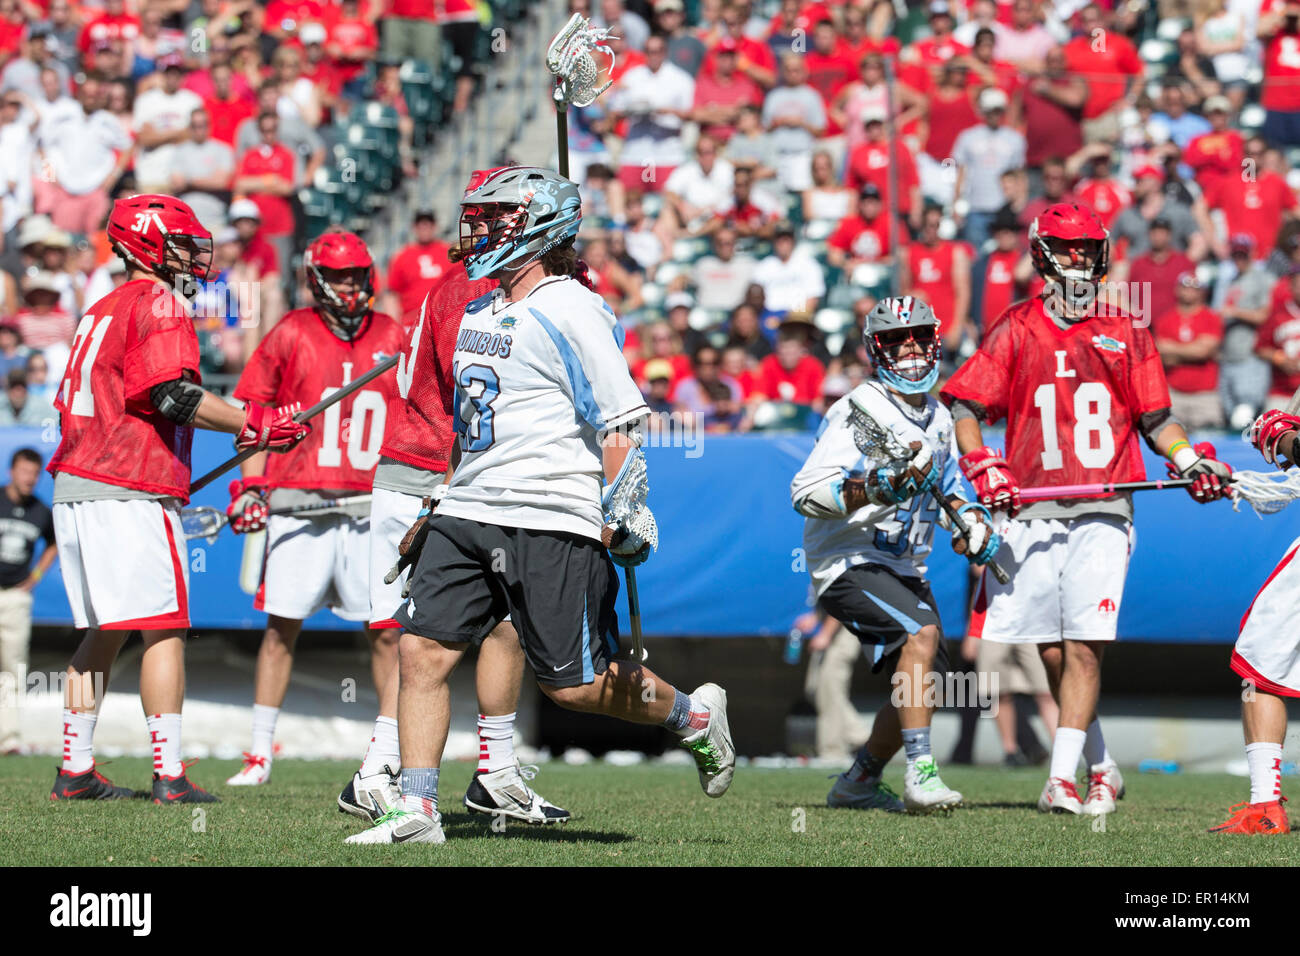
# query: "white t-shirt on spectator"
17,147
80,148
789,285
708,191
653,137
985,154
165,112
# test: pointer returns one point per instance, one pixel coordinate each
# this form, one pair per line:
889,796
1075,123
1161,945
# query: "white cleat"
506,792
1059,796
1105,786
863,795
715,757
924,790
371,796
402,826
255,772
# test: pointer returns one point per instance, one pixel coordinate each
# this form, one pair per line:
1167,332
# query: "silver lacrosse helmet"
513,216
891,325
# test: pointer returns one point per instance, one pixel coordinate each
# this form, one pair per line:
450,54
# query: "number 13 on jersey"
477,386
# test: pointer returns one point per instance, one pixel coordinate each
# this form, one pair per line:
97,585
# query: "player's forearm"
1171,440
254,466
969,434
216,414
614,449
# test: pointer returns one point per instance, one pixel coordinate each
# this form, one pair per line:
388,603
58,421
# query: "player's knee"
926,640
424,662
384,639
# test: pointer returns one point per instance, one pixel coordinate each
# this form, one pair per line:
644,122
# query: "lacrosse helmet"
326,262
527,211
160,234
891,325
1070,230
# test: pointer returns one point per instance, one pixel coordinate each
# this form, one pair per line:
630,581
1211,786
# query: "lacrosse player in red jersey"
411,477
1265,656
321,559
129,403
1078,382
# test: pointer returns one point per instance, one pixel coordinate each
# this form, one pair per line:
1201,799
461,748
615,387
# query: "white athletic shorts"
1067,581
1268,645
124,563
314,563
391,514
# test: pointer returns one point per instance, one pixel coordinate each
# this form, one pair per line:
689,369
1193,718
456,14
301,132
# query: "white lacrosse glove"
630,531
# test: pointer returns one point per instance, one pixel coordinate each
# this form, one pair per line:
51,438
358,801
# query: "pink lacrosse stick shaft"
1092,491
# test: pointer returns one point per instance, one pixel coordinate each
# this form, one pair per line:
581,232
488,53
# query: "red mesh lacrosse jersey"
419,427
136,337
301,360
1071,397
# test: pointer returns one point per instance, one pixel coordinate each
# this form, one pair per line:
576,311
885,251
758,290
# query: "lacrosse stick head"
624,500
202,522
572,58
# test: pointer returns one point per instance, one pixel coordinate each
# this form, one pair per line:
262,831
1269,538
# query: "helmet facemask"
1073,268
487,228
187,262
906,359
344,294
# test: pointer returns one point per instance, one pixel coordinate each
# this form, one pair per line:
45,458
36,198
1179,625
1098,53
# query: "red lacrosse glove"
1211,478
1268,431
248,506
271,428
995,485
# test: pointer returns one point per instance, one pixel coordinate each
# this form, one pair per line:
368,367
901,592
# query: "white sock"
1066,750
165,739
496,742
1094,747
264,730
384,749
1265,761
78,741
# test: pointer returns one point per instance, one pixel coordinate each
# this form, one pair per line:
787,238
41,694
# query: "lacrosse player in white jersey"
546,413
870,524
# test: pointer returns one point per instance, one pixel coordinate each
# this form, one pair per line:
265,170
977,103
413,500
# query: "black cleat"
369,798
179,789
506,793
88,785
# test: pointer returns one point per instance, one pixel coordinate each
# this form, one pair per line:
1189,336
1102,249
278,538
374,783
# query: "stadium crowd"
737,176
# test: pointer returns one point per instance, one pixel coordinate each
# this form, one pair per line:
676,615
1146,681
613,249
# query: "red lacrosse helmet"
161,234
327,262
1072,230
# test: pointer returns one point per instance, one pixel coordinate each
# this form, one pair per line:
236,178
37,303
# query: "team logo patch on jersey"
506,322
1105,607
1107,344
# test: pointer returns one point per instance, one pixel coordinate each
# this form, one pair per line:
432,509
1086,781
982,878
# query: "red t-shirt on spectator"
1050,129
261,255
801,385
755,51
412,9
931,268
861,239
289,15
1282,73
1253,206
277,214
869,163
999,284
357,41
1215,155
949,114
1281,330
740,91
1160,280
107,27
1177,326
414,270
11,34
1105,63
1106,197
828,74
226,115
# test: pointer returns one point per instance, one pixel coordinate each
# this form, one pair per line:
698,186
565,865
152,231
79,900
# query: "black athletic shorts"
558,588
882,608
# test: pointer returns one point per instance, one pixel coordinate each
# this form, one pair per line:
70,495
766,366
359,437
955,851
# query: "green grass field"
644,815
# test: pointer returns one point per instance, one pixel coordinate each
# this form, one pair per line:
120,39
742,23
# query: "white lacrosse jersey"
538,383
898,537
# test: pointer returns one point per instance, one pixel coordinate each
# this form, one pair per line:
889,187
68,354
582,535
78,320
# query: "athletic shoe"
179,789
1017,759
924,791
87,785
715,757
1256,819
863,795
402,826
371,796
255,771
506,792
1105,786
1059,796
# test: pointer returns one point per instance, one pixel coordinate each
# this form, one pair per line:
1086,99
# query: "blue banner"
730,564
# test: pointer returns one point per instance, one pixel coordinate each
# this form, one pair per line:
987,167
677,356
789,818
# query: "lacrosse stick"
876,440
1266,492
624,505
305,415
205,521
570,58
